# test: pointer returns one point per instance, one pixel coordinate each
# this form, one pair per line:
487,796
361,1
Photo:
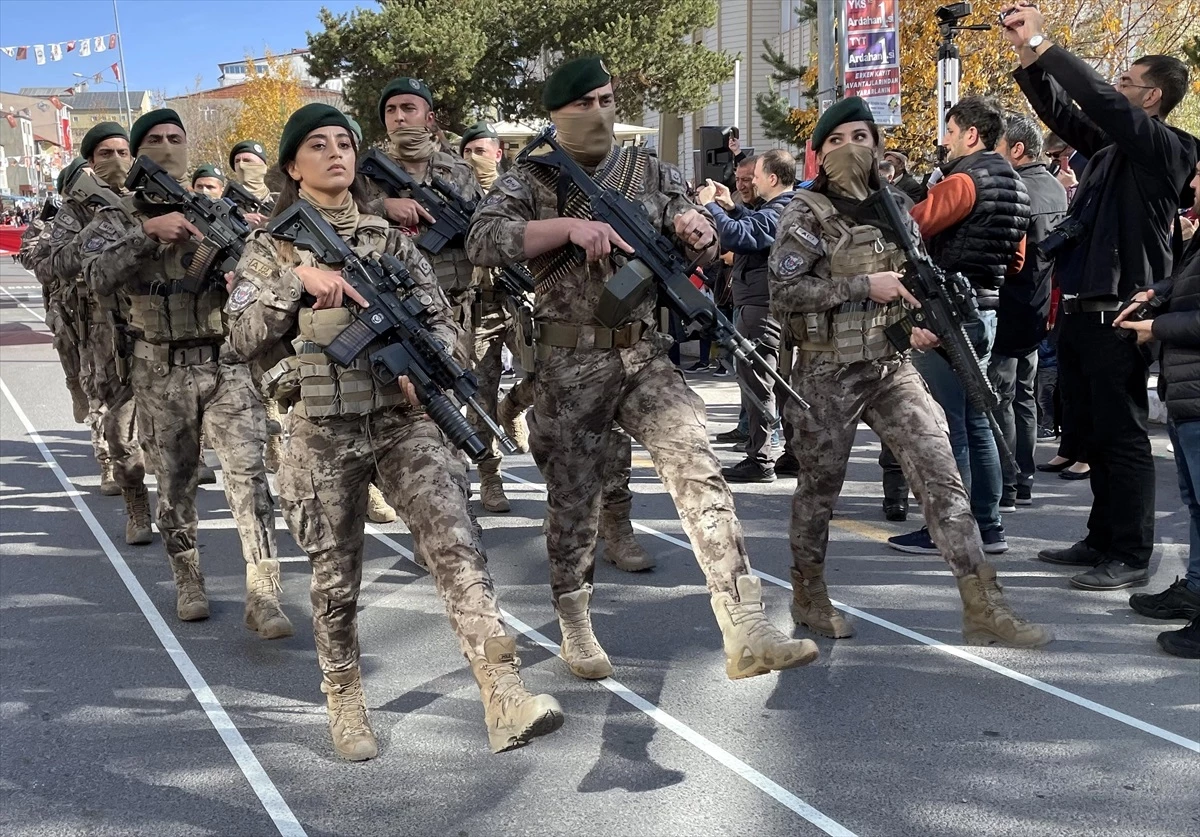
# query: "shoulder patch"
492,199
510,182
242,296
94,244
791,265
807,237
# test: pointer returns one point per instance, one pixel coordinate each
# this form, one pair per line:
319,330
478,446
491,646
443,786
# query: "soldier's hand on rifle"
694,230
255,219
405,211
172,228
1137,300
597,239
327,286
924,340
410,392
886,287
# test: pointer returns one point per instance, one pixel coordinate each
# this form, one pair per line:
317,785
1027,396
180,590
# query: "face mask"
849,170
173,158
586,135
413,145
113,171
485,169
252,175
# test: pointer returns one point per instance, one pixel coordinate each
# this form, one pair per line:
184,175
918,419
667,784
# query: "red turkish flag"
57,102
70,46
70,91
12,120
116,71
22,53
112,41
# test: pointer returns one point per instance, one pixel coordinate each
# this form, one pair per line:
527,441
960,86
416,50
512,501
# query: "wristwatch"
1036,41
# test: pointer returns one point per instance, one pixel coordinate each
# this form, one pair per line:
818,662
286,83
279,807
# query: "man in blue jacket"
749,234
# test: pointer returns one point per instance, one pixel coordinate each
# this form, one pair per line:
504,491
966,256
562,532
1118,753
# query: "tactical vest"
453,269
177,317
315,386
852,331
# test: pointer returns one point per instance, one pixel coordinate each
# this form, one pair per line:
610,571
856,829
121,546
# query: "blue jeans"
1186,439
971,436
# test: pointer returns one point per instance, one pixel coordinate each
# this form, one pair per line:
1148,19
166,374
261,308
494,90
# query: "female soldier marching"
349,430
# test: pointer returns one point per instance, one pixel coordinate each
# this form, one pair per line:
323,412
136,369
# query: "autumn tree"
268,98
487,56
207,122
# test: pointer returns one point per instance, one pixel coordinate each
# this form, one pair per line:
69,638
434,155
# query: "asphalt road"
115,718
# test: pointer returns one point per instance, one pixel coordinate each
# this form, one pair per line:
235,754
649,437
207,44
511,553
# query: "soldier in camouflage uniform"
588,376
834,284
106,148
348,430
185,377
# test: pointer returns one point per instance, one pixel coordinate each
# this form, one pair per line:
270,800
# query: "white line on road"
772,789
260,782
952,650
23,305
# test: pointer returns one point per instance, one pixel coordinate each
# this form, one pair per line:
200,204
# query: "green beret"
252,146
397,86
355,128
574,79
852,109
98,134
303,122
67,173
147,121
207,170
479,130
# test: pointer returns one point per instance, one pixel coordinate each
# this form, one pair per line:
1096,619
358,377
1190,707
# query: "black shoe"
742,446
787,466
896,512
1176,602
1112,574
1024,495
1008,500
749,471
1047,468
1076,555
721,371
698,366
730,436
1075,475
1184,642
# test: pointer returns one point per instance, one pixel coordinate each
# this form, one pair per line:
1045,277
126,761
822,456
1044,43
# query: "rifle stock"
451,213
240,197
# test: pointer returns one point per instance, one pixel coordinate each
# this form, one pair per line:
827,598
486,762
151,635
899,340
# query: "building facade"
237,72
20,173
87,108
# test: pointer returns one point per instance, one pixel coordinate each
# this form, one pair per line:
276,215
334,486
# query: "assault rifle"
654,265
222,225
50,207
240,196
947,303
451,213
397,312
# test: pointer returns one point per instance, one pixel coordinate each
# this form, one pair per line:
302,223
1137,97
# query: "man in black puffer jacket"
1178,329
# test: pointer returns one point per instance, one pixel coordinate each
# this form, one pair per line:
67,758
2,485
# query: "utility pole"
124,75
827,64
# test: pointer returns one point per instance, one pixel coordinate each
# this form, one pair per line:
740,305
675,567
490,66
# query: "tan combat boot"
511,419
137,516
513,716
378,509
987,618
348,725
491,493
753,645
580,649
263,612
811,606
108,482
204,474
80,406
621,548
191,601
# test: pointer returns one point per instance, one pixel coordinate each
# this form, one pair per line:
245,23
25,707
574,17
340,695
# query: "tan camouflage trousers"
492,332
117,416
323,481
173,405
578,396
898,407
68,324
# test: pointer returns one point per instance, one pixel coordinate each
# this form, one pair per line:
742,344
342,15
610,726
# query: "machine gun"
240,196
655,264
222,225
397,313
947,303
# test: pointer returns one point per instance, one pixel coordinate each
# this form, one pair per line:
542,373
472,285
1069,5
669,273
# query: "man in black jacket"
1024,307
1178,330
1123,214
905,181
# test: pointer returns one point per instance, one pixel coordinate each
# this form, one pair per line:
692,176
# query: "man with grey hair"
1024,306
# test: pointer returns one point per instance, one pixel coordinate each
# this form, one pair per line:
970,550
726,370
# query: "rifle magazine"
350,343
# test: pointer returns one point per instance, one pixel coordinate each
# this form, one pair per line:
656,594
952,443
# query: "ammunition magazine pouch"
559,335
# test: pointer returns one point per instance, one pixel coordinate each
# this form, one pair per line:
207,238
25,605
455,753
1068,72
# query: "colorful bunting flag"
70,46
22,53
12,123
116,72
99,77
39,53
85,47
112,41
55,52
98,44
57,102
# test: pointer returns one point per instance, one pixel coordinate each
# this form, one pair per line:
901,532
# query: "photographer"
1177,328
1116,239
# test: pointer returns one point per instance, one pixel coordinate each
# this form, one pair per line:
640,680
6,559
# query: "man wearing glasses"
1116,239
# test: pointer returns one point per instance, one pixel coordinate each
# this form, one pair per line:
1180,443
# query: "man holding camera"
1116,239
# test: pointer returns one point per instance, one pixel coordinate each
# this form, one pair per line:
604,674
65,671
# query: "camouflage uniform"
336,446
186,381
117,418
579,393
883,389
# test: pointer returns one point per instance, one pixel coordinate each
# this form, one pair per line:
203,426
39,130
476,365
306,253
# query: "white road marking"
952,650
277,809
22,304
780,794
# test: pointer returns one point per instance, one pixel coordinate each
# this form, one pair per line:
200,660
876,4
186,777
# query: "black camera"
953,12
1145,311
1062,238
